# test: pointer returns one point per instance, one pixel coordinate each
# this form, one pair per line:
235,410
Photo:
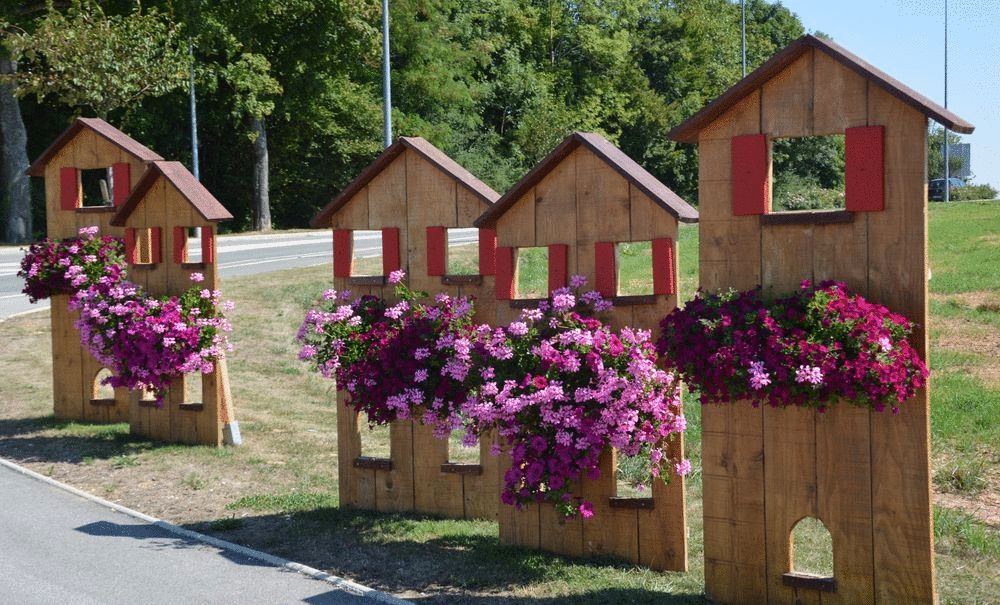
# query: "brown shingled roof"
616,158
426,150
194,192
687,132
102,128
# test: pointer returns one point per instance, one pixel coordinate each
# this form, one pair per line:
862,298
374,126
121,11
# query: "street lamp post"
947,154
386,83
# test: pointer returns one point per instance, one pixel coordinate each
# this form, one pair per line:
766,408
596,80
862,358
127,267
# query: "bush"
974,192
796,193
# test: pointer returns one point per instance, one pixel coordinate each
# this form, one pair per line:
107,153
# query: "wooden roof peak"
687,131
426,150
102,128
181,178
614,157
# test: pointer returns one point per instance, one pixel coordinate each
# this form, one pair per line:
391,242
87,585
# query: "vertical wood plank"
555,204
839,96
786,109
611,531
354,214
348,449
395,488
786,258
516,227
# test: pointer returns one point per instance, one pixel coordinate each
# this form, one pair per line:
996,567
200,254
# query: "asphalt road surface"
238,255
56,547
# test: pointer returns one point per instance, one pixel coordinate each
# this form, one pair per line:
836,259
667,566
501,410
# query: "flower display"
560,387
147,341
52,267
821,344
397,360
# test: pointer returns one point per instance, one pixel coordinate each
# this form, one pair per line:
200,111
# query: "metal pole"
743,33
194,116
386,83
947,154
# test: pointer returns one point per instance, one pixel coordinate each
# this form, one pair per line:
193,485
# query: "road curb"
23,313
341,583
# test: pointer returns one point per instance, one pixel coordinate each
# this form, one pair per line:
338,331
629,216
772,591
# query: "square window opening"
462,252
531,274
143,246
375,439
634,262
98,187
192,245
807,173
634,479
458,452
366,260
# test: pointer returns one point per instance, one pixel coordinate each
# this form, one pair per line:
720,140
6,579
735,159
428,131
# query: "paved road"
238,255
56,547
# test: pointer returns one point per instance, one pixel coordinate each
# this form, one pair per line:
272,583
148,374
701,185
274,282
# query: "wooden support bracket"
462,469
810,581
379,464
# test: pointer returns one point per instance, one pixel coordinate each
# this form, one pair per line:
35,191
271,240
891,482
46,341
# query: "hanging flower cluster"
821,344
557,385
52,267
146,341
396,361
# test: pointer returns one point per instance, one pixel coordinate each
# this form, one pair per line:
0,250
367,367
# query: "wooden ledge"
103,402
96,209
462,469
633,503
192,407
640,299
147,403
797,579
143,266
379,464
366,280
192,265
525,303
461,280
808,217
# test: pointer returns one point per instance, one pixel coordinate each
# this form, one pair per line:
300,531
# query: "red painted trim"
155,245
750,174
558,266
130,251
343,250
664,267
69,188
120,182
505,273
605,274
208,244
487,251
864,172
437,241
180,244
390,250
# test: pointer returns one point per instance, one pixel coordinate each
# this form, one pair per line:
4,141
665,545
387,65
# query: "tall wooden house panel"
864,475
411,199
89,170
586,203
170,223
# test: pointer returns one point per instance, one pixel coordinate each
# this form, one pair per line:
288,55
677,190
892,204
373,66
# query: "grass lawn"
279,492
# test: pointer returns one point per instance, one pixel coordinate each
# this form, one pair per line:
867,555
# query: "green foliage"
86,58
935,153
974,192
797,193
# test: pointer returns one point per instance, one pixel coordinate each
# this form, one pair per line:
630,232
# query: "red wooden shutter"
120,182
664,267
487,251
343,250
155,247
558,266
750,174
604,269
864,190
69,188
208,245
436,242
505,273
180,245
130,251
390,250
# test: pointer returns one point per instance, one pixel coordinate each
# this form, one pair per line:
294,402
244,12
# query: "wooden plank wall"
864,475
583,201
73,367
412,194
176,420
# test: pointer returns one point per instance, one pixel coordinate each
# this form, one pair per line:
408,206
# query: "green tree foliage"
935,153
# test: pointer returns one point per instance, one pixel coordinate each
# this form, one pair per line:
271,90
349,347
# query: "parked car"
935,188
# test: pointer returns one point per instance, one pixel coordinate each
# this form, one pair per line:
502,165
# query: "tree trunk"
13,162
261,195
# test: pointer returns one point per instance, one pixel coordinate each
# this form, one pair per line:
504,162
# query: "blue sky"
905,38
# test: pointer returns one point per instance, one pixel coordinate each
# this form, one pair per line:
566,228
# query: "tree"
935,153
14,161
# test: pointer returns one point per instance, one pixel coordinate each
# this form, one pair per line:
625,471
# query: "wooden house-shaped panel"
169,222
864,475
90,152
586,203
420,205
